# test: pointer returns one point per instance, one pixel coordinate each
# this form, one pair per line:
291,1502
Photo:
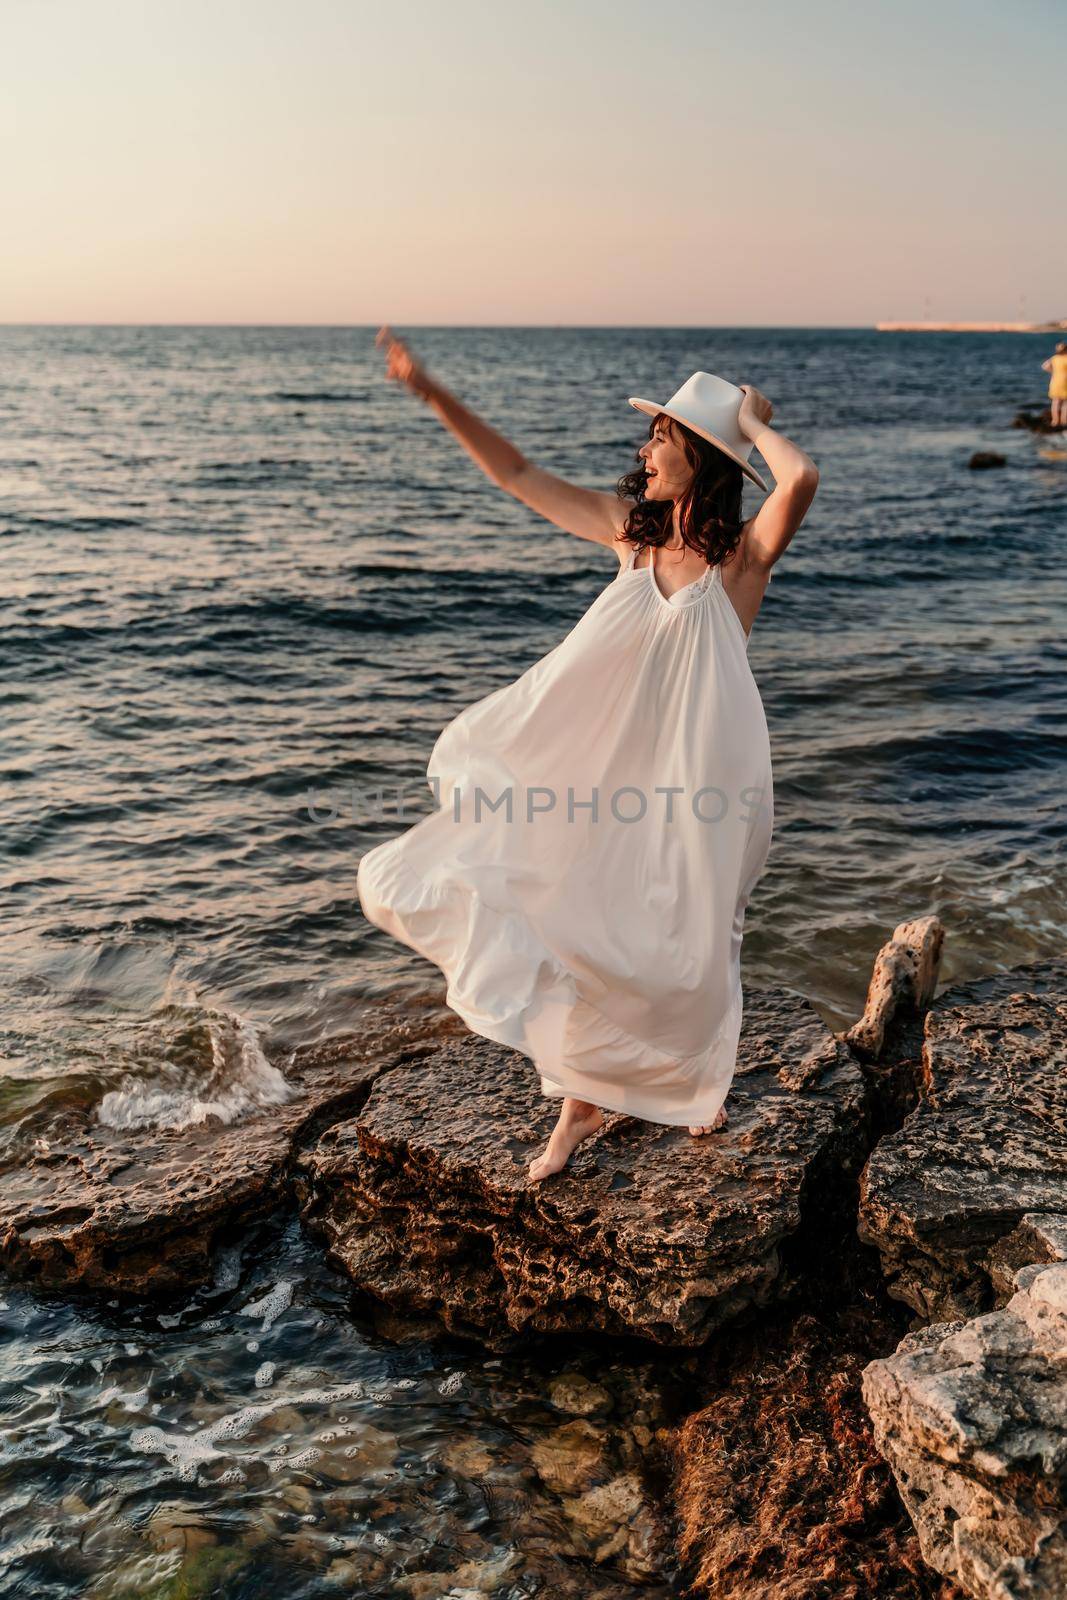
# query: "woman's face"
668,472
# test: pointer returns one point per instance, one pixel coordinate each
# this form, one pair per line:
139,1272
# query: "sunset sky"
560,163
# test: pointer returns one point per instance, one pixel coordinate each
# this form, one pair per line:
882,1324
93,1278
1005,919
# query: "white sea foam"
240,1079
271,1305
186,1452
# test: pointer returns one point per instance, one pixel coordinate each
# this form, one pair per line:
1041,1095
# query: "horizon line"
617,327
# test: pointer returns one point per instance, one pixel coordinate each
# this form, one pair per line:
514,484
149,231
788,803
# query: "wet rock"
574,1393
138,1212
983,459
1035,418
614,1521
903,981
780,1491
423,1198
972,1416
887,1039
986,1144
467,1457
355,1454
170,1528
569,1458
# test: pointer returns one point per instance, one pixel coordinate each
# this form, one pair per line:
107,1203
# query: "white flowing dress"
601,824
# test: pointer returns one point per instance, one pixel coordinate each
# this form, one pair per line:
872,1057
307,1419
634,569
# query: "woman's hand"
401,364
756,411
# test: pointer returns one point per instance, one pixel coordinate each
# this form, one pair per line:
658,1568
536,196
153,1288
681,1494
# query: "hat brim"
653,410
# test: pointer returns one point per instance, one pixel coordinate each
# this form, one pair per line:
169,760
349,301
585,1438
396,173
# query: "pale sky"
467,162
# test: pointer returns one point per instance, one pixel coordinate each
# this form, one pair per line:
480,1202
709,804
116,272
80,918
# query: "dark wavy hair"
710,509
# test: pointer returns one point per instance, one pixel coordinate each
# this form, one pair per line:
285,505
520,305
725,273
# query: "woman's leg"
577,1120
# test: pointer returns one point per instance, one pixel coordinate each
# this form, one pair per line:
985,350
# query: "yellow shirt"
1057,383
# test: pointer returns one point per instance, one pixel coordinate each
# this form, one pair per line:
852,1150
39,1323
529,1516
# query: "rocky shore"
864,1275
423,1198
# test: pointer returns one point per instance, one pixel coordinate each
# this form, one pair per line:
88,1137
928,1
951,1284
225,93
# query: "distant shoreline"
971,327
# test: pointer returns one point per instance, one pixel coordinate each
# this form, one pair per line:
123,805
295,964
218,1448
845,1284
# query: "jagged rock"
986,1144
1038,1240
425,1202
138,1212
902,984
887,1039
983,459
972,1417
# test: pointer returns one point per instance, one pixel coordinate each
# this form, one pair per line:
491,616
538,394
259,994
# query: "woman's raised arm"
588,513
796,478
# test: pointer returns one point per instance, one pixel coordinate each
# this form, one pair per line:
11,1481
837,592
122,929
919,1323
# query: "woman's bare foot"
720,1122
577,1120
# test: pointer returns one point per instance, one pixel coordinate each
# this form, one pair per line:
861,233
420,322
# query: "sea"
246,580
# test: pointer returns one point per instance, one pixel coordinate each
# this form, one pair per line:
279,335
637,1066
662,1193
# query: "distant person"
1057,385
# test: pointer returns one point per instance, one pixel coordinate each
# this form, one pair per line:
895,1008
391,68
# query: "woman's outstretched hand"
401,364
756,410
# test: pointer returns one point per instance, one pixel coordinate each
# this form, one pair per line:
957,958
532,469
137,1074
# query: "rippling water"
246,582
264,1438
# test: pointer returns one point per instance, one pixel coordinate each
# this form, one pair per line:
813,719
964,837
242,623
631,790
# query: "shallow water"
263,1436
245,584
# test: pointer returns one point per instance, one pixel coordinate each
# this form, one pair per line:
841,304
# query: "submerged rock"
983,459
986,1144
972,1417
138,1211
424,1199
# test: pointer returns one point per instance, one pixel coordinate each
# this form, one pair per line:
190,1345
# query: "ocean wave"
236,1079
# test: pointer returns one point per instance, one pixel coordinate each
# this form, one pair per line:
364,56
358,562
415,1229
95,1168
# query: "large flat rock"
986,1144
972,1417
138,1211
424,1199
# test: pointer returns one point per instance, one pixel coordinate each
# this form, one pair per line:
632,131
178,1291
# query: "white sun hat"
710,406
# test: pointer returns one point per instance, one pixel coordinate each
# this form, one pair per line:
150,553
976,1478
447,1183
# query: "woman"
606,947
1056,365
